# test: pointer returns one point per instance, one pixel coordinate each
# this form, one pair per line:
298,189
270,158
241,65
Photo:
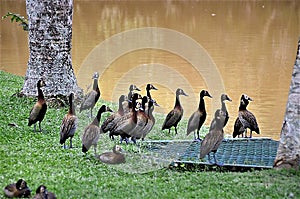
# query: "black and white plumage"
91,133
91,97
246,118
127,104
175,115
197,119
38,111
214,138
69,123
43,193
17,190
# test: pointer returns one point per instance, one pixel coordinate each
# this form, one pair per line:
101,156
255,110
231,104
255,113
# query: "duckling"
127,105
69,123
114,157
17,190
43,193
213,139
175,115
92,97
246,118
109,121
92,131
125,124
224,97
38,111
197,119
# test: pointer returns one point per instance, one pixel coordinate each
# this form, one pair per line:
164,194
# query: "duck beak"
109,110
137,89
250,99
208,95
154,88
229,99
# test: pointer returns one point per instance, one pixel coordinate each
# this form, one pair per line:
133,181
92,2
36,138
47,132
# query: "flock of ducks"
134,120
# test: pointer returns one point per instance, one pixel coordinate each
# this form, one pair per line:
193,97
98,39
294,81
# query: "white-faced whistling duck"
114,157
148,88
197,119
175,115
127,105
17,190
109,121
247,119
151,121
43,193
92,131
224,97
125,124
142,120
69,123
38,111
214,138
92,97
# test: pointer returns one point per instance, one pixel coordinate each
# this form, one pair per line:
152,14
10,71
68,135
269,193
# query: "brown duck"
17,190
224,98
38,111
109,121
175,115
91,133
92,97
114,157
43,193
198,117
247,119
69,123
127,104
214,138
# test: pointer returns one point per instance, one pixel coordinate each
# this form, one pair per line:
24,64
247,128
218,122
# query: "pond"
234,47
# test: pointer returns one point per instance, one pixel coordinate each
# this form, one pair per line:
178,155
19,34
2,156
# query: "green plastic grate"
254,152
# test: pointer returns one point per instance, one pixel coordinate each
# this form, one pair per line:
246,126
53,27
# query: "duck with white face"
114,157
245,119
17,190
43,193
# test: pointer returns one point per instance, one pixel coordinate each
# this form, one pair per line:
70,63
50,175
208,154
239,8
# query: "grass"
39,159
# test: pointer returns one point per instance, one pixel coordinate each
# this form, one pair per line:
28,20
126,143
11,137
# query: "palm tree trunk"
288,154
50,34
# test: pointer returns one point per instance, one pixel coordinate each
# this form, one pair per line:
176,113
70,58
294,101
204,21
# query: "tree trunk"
288,154
50,34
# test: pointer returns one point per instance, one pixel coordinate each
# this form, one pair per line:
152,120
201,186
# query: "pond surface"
233,47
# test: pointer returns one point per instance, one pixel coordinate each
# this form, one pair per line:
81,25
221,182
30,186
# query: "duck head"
41,83
21,184
205,93
245,99
117,149
150,87
95,75
179,91
105,108
133,87
225,97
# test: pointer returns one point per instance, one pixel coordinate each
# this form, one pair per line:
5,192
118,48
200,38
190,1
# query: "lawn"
39,159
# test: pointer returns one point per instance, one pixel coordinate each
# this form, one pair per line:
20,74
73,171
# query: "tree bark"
288,154
50,34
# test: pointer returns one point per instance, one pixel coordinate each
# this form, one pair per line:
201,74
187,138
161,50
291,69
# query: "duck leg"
95,149
71,143
175,130
34,127
250,134
216,163
40,126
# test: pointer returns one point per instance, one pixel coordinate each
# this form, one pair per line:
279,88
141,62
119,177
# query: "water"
234,47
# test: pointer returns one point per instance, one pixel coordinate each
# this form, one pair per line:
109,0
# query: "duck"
125,124
214,137
127,104
39,110
151,120
197,119
148,93
17,190
175,115
109,121
142,120
92,131
247,119
114,157
238,128
224,97
43,193
69,124
92,97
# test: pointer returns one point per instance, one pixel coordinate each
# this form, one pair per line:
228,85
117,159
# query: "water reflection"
250,44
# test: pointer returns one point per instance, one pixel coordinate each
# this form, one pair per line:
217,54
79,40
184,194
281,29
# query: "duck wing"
68,127
90,136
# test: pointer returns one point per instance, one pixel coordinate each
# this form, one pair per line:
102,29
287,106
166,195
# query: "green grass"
39,159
